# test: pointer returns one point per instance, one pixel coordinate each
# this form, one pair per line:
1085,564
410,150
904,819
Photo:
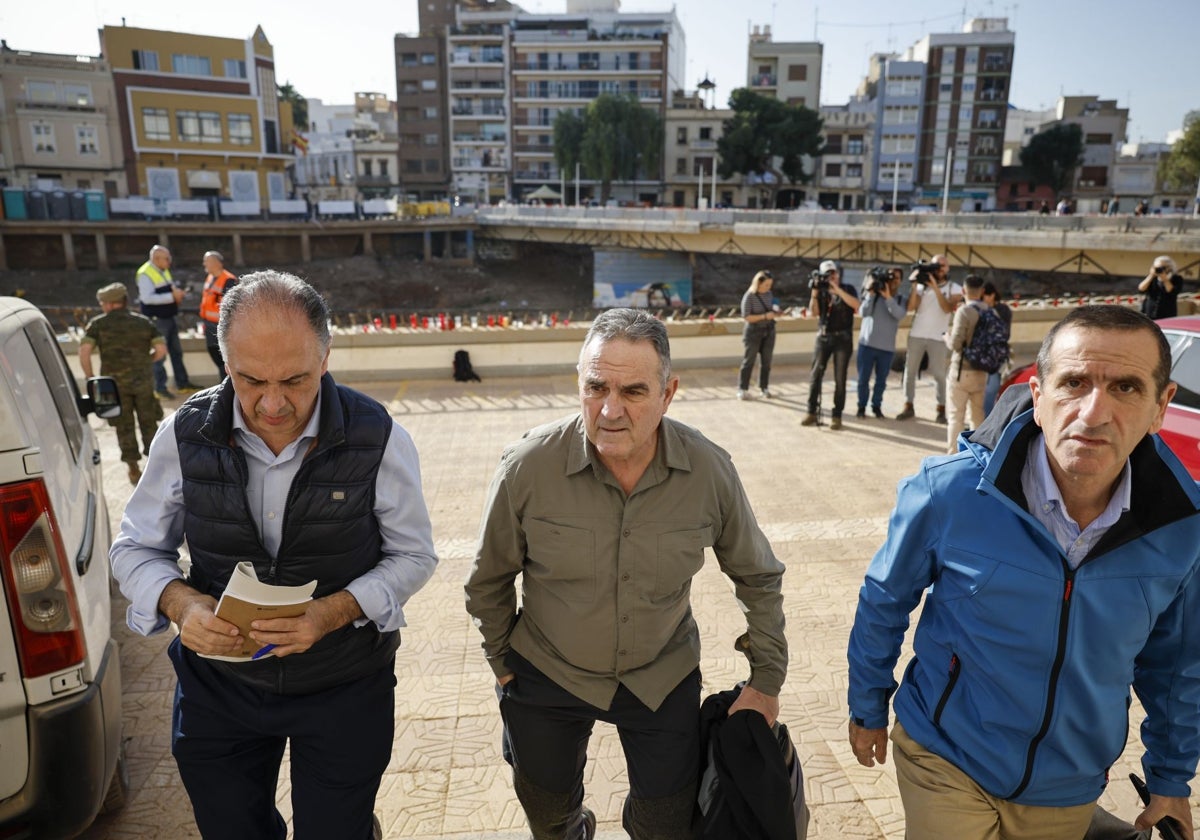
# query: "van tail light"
37,581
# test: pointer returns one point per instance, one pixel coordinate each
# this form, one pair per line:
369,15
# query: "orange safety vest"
214,290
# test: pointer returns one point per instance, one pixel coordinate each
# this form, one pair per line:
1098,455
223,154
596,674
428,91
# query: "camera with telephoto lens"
877,279
818,281
926,271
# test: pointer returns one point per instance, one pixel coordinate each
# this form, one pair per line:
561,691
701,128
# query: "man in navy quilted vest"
1057,557
307,480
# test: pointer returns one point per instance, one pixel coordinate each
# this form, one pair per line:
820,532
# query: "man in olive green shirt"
605,516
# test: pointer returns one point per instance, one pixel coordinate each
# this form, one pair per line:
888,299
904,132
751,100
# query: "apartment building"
896,86
789,71
563,62
58,123
845,169
199,114
690,133
421,108
967,82
1103,126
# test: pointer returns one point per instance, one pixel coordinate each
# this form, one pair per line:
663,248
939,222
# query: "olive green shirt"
605,578
124,340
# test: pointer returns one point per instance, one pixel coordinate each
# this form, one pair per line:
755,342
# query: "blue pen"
263,651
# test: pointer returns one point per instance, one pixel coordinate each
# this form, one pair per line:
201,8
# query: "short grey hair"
274,290
632,325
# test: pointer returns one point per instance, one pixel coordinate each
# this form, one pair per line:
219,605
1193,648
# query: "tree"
299,105
616,139
1181,168
768,137
1052,155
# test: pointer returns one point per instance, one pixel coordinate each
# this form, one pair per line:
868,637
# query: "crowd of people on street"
1056,550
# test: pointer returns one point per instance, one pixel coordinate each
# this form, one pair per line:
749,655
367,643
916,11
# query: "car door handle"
83,559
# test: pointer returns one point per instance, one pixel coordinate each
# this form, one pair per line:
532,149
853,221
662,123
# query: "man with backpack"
978,342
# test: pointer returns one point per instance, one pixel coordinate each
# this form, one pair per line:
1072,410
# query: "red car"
1181,427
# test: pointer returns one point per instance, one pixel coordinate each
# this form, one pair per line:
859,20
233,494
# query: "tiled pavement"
821,496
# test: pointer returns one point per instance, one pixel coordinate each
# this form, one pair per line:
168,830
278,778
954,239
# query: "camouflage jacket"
124,340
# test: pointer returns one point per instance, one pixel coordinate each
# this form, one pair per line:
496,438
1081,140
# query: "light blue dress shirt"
1046,504
145,556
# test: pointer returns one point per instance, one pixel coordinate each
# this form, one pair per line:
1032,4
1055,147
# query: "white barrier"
240,208
337,208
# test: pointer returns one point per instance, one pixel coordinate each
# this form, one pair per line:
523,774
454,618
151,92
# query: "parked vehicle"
61,753
1181,427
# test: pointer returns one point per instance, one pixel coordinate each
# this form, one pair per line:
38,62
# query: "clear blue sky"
1142,54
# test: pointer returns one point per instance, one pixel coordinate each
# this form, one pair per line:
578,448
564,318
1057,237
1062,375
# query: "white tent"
544,193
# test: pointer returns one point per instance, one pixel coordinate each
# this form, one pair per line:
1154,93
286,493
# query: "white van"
61,752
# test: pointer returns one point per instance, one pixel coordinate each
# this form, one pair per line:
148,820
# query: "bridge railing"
634,216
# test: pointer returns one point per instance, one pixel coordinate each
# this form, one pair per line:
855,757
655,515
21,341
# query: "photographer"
882,311
759,311
834,305
1161,289
933,299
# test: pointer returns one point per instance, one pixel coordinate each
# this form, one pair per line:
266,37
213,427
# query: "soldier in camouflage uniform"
129,344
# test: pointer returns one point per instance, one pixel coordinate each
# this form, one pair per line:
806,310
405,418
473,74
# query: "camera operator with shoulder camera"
882,310
1161,289
934,299
834,305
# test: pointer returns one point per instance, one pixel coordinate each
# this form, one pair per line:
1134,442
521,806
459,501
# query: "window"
408,88
241,133
833,170
44,92
366,167
43,137
833,144
430,113
903,87
796,100
156,124
431,139
210,127
900,116
705,132
948,58
408,59
235,68
677,198
988,118
433,166
703,165
412,167
428,58
797,72
853,170
681,166
187,123
897,145
681,135
383,167
854,146
145,60
429,84
410,139
79,95
1099,139
87,140
192,65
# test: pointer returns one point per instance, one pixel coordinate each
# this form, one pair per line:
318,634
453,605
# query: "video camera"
877,279
926,271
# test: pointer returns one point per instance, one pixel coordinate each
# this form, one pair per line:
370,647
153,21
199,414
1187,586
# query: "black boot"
666,818
554,816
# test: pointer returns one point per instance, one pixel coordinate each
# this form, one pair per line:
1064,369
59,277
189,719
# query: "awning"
204,179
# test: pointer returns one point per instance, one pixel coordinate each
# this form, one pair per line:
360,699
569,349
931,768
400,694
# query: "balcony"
460,58
763,80
703,145
479,163
477,111
606,64
464,137
535,148
73,107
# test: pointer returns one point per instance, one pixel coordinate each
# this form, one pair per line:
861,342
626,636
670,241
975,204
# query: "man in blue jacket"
1058,552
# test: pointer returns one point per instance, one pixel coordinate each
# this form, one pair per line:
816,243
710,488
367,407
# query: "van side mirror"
103,398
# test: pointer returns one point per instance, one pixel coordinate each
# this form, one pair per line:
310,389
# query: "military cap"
112,293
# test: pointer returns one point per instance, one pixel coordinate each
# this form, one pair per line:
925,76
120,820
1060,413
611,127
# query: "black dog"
463,372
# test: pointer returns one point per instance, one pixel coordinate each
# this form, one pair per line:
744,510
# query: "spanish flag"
299,142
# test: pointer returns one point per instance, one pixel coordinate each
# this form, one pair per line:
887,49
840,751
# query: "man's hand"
178,294
1177,807
296,635
199,628
505,680
752,698
869,745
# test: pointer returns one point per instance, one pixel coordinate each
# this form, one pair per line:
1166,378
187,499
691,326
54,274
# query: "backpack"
988,348
463,372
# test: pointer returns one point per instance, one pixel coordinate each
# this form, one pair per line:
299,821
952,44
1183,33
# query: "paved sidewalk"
822,497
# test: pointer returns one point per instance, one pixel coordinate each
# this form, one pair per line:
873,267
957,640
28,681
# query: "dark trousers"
873,360
839,346
546,732
758,340
214,348
170,331
228,740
